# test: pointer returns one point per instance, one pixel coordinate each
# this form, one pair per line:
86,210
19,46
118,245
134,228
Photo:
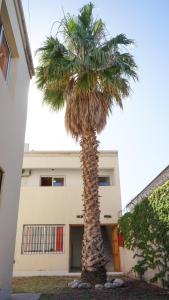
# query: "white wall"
56,205
73,177
128,262
13,108
60,205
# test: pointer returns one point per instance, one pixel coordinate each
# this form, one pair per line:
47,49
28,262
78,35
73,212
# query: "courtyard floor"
55,288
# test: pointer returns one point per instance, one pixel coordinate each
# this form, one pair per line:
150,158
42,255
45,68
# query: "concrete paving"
25,296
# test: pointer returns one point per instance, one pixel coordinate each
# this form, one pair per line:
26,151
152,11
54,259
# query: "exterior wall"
13,108
60,205
72,177
66,160
128,262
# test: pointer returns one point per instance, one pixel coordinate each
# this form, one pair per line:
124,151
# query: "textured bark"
93,259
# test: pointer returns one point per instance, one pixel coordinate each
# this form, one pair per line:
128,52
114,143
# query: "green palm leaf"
84,64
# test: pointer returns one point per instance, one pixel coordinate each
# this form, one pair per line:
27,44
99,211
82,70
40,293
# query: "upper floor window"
1,175
58,181
104,181
4,52
52,181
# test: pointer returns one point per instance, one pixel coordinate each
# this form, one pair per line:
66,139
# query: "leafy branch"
146,232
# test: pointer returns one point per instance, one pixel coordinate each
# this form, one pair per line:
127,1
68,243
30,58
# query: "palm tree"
87,74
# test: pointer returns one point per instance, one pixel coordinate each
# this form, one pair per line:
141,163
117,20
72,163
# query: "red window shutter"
59,239
120,240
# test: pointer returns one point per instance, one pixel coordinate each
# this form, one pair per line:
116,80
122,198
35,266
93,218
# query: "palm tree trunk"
93,259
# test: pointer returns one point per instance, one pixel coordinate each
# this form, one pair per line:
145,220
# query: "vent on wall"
26,172
107,216
79,216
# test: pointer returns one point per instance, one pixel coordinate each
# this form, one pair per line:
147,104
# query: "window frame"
44,227
105,176
60,177
53,177
40,181
2,33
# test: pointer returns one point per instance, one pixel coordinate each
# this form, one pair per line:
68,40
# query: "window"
104,181
42,239
58,182
1,176
4,52
46,181
52,181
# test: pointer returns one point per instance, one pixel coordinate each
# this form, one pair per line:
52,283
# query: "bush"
146,232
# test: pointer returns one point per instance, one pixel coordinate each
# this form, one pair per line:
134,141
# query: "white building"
16,69
50,222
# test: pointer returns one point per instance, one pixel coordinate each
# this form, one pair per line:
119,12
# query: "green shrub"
146,232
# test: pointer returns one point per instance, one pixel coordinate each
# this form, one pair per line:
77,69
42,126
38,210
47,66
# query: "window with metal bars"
42,239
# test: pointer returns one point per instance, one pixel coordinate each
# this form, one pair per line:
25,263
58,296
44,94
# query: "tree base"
94,277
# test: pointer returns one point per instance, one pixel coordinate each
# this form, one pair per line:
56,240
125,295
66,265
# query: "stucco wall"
66,159
13,107
72,177
60,205
128,262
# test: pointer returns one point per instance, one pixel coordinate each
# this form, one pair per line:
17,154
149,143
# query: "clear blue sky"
141,132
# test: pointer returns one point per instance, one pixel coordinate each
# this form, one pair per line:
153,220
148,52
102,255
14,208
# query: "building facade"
16,69
50,222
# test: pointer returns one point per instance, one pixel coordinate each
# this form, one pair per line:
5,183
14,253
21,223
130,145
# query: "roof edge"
148,185
62,152
24,36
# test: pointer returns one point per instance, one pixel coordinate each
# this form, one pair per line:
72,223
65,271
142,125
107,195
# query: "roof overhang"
24,36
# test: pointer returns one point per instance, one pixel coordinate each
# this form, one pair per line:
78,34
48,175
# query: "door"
116,250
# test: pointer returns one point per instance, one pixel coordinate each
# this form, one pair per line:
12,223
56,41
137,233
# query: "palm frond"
98,31
85,15
54,99
85,72
114,43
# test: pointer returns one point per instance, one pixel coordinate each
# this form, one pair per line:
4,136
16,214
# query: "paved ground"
25,296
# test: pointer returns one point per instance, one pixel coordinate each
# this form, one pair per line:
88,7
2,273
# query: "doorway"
111,247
